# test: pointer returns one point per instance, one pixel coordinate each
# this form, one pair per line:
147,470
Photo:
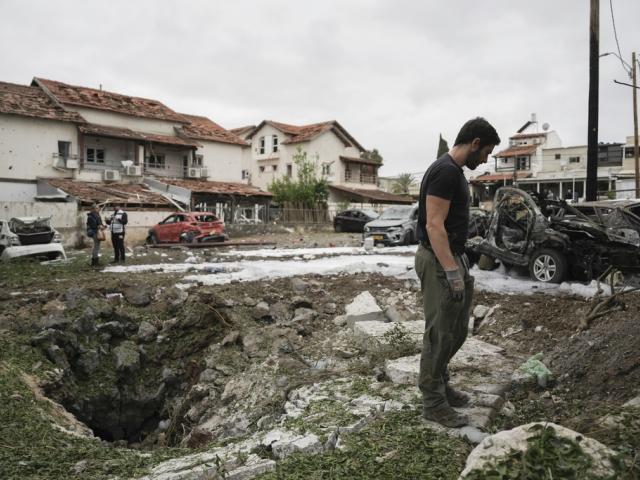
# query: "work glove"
456,284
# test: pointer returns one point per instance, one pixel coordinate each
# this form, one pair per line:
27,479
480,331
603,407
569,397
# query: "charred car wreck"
554,240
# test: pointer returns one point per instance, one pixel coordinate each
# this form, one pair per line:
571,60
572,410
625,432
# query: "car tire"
152,239
548,266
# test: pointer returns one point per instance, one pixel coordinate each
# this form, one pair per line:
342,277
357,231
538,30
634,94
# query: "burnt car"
30,237
622,217
553,240
188,227
353,220
395,226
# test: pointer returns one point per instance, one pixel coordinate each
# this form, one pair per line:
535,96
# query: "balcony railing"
357,177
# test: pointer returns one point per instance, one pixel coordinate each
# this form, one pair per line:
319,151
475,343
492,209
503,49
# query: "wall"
115,151
223,160
255,160
17,191
100,117
550,164
27,146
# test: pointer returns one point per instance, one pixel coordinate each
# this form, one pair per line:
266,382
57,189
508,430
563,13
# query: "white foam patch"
312,252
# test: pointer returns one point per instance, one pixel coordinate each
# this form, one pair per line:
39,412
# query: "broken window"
574,159
262,169
245,174
326,169
95,155
524,163
262,145
156,161
609,156
275,143
64,149
289,170
197,161
274,168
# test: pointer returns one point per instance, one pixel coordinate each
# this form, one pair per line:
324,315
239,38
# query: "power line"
615,34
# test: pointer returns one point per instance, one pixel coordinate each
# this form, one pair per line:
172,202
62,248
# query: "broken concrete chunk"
298,285
304,314
147,332
284,443
393,315
138,296
127,356
340,321
363,307
502,445
231,338
480,311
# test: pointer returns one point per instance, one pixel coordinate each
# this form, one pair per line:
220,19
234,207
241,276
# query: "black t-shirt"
445,179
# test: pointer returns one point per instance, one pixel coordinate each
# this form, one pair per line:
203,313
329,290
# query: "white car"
29,237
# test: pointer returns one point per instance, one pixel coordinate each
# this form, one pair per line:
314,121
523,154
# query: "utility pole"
635,123
594,78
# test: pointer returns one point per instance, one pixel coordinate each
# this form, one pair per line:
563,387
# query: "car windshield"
370,213
395,213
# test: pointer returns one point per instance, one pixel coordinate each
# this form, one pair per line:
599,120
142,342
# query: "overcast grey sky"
395,74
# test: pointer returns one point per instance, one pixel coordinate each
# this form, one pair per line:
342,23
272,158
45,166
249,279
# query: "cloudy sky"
394,73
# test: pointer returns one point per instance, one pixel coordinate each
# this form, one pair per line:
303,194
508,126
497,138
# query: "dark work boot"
456,398
95,262
445,415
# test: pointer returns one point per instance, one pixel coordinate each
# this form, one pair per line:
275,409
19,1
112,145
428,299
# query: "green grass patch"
396,446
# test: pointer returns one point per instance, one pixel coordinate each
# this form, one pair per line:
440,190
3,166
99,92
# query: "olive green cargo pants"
446,323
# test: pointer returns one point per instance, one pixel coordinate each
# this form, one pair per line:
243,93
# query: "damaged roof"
303,133
519,150
135,195
359,160
109,101
202,128
218,188
242,130
377,196
116,132
32,102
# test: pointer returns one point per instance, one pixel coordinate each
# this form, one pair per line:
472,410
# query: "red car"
188,227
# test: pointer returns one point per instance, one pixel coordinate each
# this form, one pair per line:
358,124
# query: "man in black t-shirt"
443,269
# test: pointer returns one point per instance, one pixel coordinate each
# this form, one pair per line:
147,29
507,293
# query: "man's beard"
473,160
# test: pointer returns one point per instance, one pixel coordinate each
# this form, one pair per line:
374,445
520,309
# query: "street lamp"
628,68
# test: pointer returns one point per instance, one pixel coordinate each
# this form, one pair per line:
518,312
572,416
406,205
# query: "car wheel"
549,266
152,239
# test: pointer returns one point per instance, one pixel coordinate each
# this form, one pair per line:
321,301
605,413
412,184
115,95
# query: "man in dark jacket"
94,224
443,268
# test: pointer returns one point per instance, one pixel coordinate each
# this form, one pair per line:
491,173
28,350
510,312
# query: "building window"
523,163
262,169
95,155
197,161
275,143
245,174
156,161
628,152
326,169
609,155
262,144
289,170
558,156
574,159
274,168
64,149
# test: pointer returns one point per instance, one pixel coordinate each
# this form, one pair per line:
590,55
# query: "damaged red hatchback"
188,227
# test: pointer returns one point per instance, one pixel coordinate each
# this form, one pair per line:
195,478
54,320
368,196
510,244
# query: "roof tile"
201,128
112,102
32,102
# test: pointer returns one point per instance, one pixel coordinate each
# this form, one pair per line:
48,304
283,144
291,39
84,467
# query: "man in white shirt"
117,223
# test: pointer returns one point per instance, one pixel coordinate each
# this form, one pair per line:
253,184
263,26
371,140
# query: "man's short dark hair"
477,128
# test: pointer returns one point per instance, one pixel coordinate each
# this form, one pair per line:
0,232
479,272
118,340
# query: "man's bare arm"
437,209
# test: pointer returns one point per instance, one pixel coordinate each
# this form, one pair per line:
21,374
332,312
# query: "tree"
402,184
372,155
443,147
308,191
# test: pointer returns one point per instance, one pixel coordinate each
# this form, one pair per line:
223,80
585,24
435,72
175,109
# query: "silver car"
29,237
395,226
